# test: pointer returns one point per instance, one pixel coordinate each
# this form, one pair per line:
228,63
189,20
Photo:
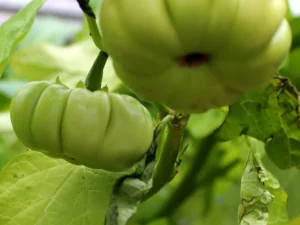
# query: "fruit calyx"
193,59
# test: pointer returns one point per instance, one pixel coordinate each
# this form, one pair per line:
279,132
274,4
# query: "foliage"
238,164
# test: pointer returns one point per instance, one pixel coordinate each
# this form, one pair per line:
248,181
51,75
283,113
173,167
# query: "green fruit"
97,129
197,54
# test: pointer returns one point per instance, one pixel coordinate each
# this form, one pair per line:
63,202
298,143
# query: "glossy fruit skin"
97,129
245,41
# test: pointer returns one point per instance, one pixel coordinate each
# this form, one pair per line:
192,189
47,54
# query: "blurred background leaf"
14,30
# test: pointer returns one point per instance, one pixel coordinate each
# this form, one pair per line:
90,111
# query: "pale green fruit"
194,55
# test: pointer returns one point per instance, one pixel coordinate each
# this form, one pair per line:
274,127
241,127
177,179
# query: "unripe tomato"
195,55
97,129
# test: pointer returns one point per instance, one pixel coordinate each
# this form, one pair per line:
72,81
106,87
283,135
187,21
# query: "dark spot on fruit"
193,59
15,175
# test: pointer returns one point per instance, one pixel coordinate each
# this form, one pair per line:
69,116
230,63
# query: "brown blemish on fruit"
193,60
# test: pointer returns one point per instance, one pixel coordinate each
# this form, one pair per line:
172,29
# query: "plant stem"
94,31
216,173
189,182
163,111
165,168
94,78
91,20
205,180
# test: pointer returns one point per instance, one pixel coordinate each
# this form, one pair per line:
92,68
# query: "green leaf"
5,123
15,29
255,199
71,64
4,154
201,125
295,26
162,221
290,182
278,212
10,144
292,67
38,190
278,209
128,193
295,221
270,115
262,200
4,102
51,30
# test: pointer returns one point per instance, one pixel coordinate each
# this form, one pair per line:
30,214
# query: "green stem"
162,110
212,175
188,184
203,182
165,168
94,31
91,20
94,78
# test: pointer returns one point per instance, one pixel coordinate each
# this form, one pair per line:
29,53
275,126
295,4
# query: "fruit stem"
91,20
166,166
163,111
94,78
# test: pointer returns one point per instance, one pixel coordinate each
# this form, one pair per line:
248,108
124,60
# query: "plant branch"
207,179
165,168
212,175
91,20
189,182
94,78
163,111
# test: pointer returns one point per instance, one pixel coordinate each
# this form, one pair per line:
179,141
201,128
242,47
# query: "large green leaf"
10,144
290,182
262,200
15,29
70,63
4,155
272,116
51,30
38,190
